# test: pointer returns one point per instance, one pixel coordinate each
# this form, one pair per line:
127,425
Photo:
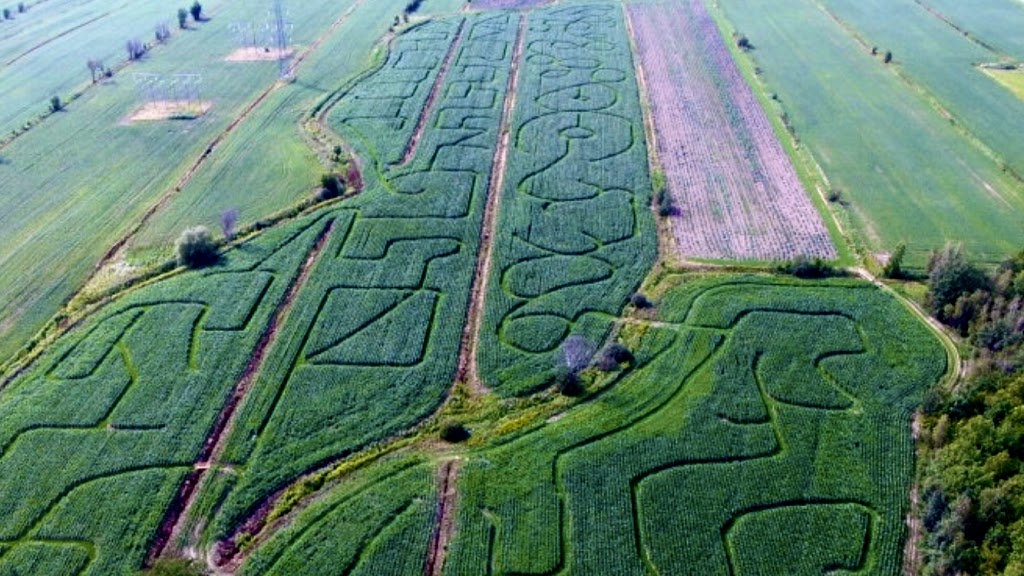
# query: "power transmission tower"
280,26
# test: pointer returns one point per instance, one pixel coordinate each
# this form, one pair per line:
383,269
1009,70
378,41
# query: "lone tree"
55,104
888,57
894,267
182,18
228,220
7,14
21,8
135,48
573,358
163,32
196,248
197,11
95,68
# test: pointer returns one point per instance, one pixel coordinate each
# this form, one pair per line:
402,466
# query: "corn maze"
737,192
123,406
376,333
763,429
575,234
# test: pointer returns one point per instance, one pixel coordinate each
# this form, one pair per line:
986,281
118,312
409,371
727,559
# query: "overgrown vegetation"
972,484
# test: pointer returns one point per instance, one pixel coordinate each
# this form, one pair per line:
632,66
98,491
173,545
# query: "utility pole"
280,25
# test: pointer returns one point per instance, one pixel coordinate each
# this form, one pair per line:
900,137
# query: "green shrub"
196,248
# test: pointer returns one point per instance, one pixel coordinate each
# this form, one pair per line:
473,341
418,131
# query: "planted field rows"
372,344
753,412
122,407
737,191
763,427
575,233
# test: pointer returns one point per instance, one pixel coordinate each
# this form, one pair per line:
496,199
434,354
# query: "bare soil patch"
444,526
258,54
170,110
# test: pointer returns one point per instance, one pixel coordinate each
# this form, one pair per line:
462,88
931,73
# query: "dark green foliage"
7,14
197,11
196,248
894,267
807,268
454,432
888,57
952,279
330,187
640,302
182,18
55,104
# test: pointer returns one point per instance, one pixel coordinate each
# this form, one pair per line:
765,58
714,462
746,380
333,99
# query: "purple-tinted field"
511,4
737,192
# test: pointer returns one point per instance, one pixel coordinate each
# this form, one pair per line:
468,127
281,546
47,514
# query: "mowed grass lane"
995,23
908,175
77,183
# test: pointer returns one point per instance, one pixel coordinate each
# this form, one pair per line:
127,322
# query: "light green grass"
1012,80
908,175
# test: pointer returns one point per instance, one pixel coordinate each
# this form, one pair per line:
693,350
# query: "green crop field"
488,350
909,176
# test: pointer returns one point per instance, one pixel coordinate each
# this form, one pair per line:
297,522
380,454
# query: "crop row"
123,405
575,235
720,441
736,190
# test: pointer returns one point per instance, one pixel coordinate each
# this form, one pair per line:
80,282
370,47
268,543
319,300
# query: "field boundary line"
178,511
468,370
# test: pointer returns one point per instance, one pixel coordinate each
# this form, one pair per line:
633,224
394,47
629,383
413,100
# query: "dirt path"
468,370
444,524
213,447
115,252
435,91
912,552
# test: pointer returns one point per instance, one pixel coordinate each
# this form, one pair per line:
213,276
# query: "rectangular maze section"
737,195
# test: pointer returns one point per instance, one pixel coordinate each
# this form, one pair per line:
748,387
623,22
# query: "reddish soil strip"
738,192
444,525
468,371
54,39
435,91
213,447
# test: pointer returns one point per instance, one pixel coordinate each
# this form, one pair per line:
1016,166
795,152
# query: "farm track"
444,525
468,369
115,251
435,91
213,447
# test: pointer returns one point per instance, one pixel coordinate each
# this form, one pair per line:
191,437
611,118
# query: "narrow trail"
435,91
444,523
915,532
115,251
468,370
213,447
